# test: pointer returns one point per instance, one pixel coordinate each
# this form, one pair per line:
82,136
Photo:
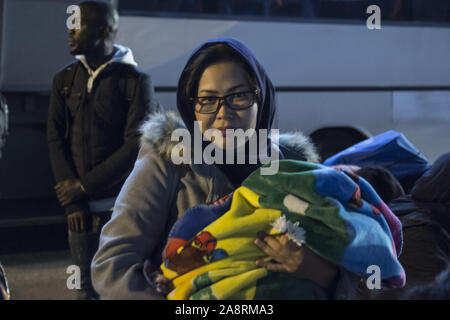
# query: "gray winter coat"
154,196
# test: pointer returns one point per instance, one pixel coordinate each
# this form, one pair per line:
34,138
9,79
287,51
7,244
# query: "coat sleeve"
117,166
59,149
136,232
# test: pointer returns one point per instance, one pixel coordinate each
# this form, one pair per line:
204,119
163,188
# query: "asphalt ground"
38,275
35,258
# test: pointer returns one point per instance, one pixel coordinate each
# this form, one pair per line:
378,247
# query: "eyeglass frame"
222,100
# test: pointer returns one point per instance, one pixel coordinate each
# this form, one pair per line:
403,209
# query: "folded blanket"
210,252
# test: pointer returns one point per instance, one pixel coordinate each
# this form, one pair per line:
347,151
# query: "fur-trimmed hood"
157,130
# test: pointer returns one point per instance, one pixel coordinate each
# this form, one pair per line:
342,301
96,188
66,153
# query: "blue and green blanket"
210,253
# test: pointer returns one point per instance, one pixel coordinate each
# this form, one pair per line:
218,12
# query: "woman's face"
219,80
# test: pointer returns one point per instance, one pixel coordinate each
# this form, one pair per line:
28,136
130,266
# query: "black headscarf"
266,106
266,109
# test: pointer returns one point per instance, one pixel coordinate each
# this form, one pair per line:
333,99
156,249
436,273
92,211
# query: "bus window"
436,11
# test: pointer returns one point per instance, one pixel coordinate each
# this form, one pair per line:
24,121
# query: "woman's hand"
156,279
293,259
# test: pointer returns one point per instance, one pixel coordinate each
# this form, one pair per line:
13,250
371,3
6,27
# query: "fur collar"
157,130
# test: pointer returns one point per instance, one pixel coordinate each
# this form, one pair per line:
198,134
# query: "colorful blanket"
210,252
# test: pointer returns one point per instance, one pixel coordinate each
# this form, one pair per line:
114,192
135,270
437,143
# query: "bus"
338,78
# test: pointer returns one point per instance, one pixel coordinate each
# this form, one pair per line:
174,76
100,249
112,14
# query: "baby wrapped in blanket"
210,253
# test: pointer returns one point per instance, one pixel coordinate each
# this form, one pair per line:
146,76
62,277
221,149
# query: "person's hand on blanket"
156,279
299,261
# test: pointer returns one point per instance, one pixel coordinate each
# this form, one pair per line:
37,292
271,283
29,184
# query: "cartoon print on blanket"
210,252
195,253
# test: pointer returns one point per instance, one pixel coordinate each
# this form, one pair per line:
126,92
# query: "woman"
224,87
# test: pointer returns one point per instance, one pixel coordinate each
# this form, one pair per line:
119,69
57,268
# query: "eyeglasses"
236,101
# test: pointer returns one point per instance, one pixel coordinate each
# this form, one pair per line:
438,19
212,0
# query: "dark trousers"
83,246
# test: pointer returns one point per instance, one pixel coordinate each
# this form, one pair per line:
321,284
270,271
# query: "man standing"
96,107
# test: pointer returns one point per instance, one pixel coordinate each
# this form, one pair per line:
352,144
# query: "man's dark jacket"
94,136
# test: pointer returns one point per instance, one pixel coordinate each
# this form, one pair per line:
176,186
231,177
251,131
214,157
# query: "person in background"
96,106
439,289
384,183
4,289
425,217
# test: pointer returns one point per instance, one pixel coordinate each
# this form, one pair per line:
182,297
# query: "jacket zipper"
85,132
